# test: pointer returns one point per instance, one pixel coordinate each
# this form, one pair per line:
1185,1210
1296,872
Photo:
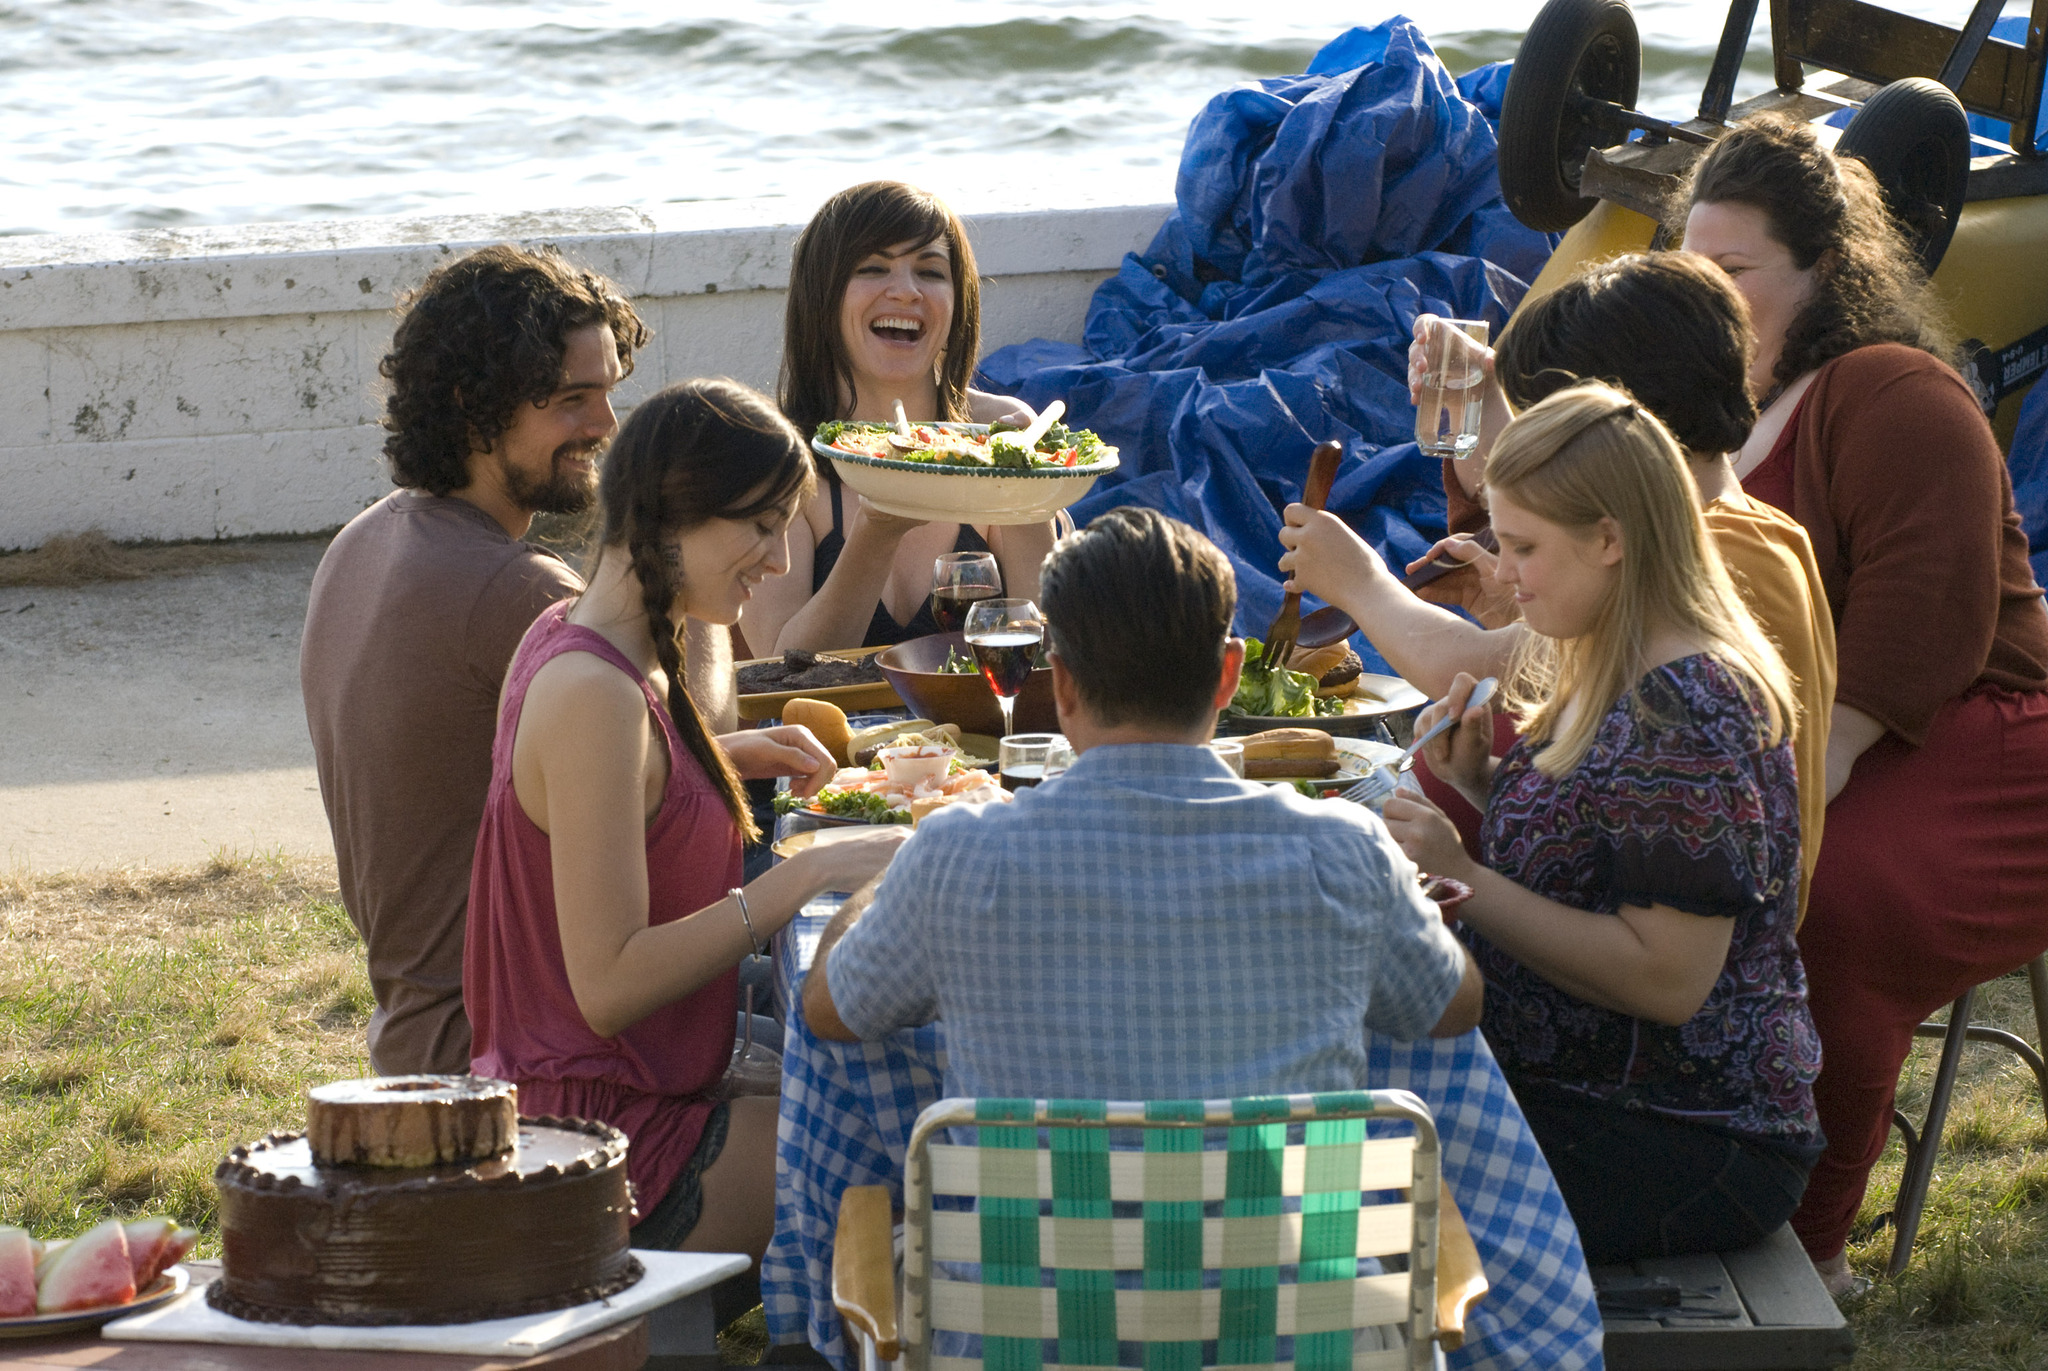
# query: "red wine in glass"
1005,659
951,603
1005,635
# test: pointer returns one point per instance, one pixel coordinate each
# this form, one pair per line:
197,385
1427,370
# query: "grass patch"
80,559
151,1019
1976,1296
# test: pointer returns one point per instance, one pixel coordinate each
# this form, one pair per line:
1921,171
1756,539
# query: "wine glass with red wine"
1005,635
960,580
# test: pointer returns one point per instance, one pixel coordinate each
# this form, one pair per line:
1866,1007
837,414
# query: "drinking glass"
959,581
1231,751
1005,635
1059,756
1453,388
1020,758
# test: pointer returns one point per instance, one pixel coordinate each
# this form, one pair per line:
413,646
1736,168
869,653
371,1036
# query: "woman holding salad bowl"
884,309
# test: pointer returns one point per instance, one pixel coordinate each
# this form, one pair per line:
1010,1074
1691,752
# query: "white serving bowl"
945,493
914,766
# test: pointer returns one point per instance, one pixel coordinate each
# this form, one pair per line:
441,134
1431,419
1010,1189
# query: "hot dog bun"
827,723
1281,752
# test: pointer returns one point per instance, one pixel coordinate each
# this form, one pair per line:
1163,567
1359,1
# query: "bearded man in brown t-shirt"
501,374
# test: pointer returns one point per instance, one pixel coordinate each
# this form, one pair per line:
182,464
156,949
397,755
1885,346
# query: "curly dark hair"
482,336
1827,211
1668,327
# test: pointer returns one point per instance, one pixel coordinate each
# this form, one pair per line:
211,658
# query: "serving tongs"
1315,492
1027,440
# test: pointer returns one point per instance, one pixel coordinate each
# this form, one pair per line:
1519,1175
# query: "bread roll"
827,723
1290,752
1317,660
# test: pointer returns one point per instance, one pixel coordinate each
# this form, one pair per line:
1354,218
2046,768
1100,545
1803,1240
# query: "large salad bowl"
962,493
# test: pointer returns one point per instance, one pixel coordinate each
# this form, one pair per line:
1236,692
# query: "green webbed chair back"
1079,1233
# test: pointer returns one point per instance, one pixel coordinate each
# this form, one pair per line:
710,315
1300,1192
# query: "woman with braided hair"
606,915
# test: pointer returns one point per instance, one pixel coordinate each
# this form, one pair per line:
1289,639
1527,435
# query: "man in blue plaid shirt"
1145,926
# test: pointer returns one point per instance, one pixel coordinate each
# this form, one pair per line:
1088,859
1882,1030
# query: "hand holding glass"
960,580
1005,635
1453,382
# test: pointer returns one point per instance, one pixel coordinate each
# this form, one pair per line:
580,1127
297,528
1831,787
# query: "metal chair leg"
1920,1159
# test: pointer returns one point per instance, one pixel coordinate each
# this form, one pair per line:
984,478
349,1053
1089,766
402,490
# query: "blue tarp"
1316,216
2029,462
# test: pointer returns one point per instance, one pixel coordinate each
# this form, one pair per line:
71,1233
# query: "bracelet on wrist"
739,897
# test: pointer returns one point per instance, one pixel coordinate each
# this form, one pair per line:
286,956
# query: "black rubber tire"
1575,47
1915,138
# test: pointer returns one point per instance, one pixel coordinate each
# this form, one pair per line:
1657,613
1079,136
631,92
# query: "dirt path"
158,720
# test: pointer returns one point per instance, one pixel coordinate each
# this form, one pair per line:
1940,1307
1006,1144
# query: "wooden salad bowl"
913,669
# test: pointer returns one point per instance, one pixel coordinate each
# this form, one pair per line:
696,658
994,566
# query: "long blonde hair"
1588,453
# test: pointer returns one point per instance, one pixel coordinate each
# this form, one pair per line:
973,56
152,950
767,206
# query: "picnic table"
847,1110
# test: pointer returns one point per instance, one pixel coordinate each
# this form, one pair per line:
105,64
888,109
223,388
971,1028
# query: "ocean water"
141,113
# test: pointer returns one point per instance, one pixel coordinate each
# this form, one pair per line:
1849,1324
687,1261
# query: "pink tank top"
649,1080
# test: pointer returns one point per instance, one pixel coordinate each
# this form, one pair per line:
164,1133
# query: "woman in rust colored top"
1934,873
606,921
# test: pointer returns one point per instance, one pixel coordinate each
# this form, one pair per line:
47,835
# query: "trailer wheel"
1915,138
1574,51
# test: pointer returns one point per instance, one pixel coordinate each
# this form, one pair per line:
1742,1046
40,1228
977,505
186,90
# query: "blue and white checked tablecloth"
848,1108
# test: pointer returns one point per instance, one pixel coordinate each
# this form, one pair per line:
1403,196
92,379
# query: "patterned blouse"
1675,804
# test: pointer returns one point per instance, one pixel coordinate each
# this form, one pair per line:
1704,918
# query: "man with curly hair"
501,373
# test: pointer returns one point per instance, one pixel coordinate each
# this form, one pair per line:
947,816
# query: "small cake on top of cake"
422,1200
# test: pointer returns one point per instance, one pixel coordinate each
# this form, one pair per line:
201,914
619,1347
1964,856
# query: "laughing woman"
1634,910
606,921
884,306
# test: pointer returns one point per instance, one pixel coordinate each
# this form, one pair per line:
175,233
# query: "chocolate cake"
348,1225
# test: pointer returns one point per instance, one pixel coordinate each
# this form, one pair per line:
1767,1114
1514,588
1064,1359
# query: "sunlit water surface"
134,113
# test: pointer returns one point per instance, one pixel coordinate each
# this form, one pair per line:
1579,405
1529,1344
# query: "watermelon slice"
46,1255
92,1271
17,1273
182,1241
147,1239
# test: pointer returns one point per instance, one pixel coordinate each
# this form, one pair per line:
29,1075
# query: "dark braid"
694,452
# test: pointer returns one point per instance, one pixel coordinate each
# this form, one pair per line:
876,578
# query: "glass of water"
1453,387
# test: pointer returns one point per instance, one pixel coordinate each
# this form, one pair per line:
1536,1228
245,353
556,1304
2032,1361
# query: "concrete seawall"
222,382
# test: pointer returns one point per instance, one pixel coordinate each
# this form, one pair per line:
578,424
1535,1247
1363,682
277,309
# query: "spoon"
1385,778
1042,425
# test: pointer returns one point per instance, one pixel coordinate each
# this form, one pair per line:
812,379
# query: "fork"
1385,778
1286,629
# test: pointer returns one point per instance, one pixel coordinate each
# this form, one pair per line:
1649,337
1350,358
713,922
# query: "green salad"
1060,447
1270,692
863,805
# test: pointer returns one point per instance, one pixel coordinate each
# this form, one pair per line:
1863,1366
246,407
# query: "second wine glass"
1005,635
961,580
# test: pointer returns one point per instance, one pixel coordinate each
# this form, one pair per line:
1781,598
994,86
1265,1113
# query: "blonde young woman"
1634,906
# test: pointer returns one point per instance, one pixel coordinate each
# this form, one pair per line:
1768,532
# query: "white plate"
1356,758
163,1289
946,493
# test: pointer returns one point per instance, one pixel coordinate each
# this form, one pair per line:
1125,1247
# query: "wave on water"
140,113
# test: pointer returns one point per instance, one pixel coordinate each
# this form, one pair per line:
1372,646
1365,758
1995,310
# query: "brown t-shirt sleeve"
1915,502
530,580
1462,514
